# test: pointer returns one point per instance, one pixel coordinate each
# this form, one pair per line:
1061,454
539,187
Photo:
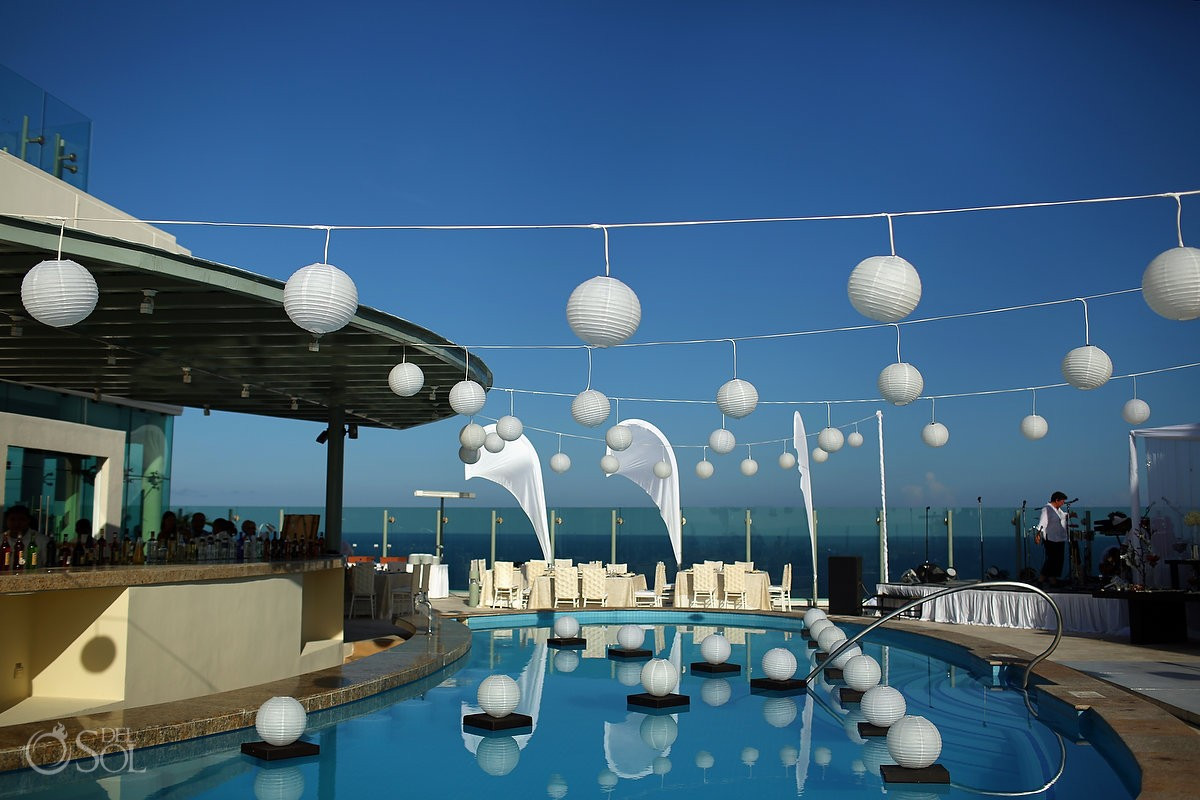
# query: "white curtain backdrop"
800,442
637,464
517,469
1172,489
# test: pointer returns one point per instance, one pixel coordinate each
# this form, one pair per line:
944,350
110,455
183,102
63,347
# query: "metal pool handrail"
951,590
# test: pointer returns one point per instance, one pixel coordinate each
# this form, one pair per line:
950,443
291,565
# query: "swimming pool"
586,742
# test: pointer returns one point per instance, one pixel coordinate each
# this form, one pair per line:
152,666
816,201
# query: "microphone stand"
979,500
927,534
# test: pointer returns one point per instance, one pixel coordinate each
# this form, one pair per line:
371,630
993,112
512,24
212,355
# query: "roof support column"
335,456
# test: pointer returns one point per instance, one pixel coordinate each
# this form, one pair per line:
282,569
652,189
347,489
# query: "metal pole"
949,538
613,555
814,538
553,516
335,452
385,532
979,500
748,524
441,516
493,561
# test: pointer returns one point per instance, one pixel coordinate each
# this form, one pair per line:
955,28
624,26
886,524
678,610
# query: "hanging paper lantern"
59,293
716,692
472,436
603,312
721,441
900,383
659,677
883,706
841,659
737,398
320,298
1034,426
749,467
607,779
818,455
779,664
861,673
786,461
1087,367
406,379
884,288
1136,411
659,733
590,408
560,462
1171,284
280,721
704,469
556,788
498,756
509,428
467,398
715,649
779,712
566,627
788,755
618,437
935,434
855,439
830,440
468,455
914,742
498,695
493,443
662,470
609,464
631,637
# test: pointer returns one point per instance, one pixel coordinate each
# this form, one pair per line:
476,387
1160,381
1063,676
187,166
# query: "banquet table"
757,589
387,582
620,589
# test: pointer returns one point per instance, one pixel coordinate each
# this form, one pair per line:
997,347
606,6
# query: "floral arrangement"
1192,518
1140,555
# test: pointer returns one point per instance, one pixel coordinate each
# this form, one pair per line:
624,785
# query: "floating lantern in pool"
811,615
509,428
779,712
659,676
1034,427
704,469
822,756
590,408
406,379
1087,367
498,695
884,288
722,441
279,784
850,725
786,460
1135,411
883,706
900,383
705,760
280,720
788,755
556,787
320,298
661,765
659,733
875,754
498,756
830,439
566,627
468,455
819,456
609,464
861,673
750,756
842,658
779,664
560,462
493,443
1171,284
603,311
716,692
630,637
607,780
914,742
855,439
662,470
472,436
858,767
618,437
629,673
737,398
715,649
467,398
829,638
816,626
566,660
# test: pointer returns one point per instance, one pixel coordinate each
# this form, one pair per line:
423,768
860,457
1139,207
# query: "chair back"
786,583
502,575
535,569
746,565
617,569
717,565
594,586
735,578
563,563
660,578
704,578
566,584
362,579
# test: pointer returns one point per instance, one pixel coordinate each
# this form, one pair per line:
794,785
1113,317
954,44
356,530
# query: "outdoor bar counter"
101,637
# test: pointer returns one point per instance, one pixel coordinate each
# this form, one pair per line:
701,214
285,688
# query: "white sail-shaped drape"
637,464
518,469
800,442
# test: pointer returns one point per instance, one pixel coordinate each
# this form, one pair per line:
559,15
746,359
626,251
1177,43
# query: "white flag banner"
637,464
518,469
800,442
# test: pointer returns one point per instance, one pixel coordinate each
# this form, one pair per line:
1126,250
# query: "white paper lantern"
737,398
59,293
914,742
788,755
472,436
1135,411
716,692
406,379
467,398
705,760
279,784
659,677
629,673
590,408
855,439
749,467
715,649
607,779
556,788
498,756
630,637
935,434
662,470
1034,426
498,695
659,733
830,638
883,706
750,756
320,298
819,456
875,754
618,437
704,469
900,383
661,765
493,443
779,712
787,461
861,673
884,288
1171,284
280,720
818,624
822,756
812,614
1087,367
842,658
850,725
509,428
779,664
603,311
721,441
566,627
566,660
560,462
830,439
468,455
609,464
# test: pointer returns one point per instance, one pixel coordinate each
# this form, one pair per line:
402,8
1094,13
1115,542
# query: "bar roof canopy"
226,326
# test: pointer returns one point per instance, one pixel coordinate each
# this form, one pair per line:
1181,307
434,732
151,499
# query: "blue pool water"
586,742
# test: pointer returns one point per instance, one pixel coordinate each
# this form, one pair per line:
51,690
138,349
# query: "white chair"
563,563
781,594
704,584
566,587
617,569
504,585
595,588
533,570
746,565
403,592
734,593
657,596
362,586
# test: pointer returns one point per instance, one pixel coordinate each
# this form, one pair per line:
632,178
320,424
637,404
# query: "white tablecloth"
1001,608
620,589
757,594
387,582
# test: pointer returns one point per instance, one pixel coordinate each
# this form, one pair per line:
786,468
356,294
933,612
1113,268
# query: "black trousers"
1053,565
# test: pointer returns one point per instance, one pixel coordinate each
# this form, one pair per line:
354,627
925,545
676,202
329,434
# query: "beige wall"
14,684
79,643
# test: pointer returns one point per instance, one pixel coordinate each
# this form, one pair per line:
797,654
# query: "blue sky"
482,113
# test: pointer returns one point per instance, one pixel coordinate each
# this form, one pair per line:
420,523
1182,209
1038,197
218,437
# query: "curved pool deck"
1159,744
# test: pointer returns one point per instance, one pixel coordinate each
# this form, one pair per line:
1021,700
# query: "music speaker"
845,580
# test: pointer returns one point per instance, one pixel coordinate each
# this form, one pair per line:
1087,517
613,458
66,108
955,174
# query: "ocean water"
777,535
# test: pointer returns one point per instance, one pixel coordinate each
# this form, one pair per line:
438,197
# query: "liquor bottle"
152,549
5,554
101,550
18,556
31,557
50,557
139,551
